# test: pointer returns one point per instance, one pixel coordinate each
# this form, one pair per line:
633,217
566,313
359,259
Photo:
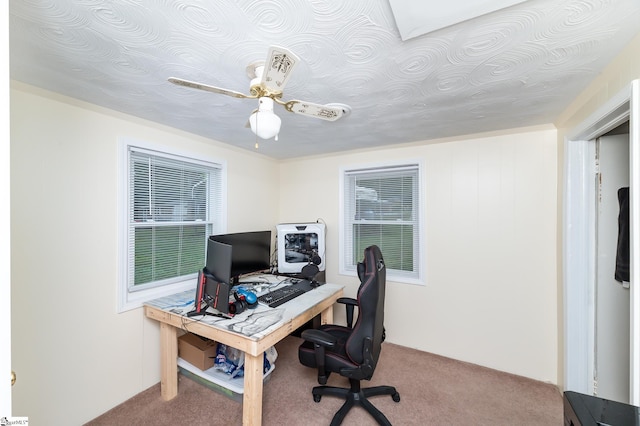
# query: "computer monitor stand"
201,309
204,300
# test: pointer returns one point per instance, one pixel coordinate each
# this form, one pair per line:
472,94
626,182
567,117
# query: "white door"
5,245
611,357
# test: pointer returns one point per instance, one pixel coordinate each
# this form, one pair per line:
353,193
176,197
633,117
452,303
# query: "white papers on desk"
256,321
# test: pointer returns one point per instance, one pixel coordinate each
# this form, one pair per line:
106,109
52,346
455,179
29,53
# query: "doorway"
611,339
580,243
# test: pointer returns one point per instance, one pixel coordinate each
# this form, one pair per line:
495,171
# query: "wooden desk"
170,312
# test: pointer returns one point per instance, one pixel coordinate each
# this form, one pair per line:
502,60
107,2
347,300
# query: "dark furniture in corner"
352,351
588,410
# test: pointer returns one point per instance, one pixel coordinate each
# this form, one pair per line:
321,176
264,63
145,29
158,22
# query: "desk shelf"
217,380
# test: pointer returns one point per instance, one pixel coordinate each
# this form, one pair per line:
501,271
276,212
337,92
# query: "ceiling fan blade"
200,86
324,112
278,68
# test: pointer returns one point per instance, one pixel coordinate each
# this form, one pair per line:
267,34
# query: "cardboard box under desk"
198,351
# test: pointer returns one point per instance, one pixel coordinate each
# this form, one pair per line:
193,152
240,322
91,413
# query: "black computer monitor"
213,286
219,260
250,252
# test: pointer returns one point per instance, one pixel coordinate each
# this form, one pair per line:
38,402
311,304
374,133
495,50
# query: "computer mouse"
250,297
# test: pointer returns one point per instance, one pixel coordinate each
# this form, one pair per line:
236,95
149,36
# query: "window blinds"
173,205
381,208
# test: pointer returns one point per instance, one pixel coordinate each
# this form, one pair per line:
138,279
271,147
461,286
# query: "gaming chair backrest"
370,321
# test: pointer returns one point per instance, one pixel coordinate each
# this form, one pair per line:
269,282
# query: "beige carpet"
434,391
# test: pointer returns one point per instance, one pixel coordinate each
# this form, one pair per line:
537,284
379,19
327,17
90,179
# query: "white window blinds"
174,204
381,207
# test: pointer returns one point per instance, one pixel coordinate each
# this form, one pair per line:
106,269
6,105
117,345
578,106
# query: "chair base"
356,396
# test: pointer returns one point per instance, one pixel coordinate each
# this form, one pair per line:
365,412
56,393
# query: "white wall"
75,356
490,214
622,70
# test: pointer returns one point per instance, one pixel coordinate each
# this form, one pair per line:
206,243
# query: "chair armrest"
319,337
320,340
349,303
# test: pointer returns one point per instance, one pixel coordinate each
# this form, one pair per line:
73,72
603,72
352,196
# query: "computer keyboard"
281,295
251,284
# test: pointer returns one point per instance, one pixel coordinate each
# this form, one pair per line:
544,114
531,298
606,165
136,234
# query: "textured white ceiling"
515,67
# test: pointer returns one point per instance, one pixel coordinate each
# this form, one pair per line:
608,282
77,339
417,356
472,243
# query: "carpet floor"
434,390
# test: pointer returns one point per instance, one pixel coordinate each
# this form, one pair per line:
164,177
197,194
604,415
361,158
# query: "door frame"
578,240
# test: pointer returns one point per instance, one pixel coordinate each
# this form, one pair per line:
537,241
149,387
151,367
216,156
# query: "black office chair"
352,352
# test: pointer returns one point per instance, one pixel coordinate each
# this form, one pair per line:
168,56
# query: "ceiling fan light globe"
265,124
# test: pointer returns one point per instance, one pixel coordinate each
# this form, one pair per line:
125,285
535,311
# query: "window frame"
128,298
419,255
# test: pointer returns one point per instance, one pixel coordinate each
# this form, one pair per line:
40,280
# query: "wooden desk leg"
252,399
326,316
168,361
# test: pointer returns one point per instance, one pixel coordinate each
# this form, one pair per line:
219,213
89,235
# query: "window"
381,206
171,203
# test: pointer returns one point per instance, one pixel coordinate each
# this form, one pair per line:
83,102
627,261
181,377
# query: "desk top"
253,330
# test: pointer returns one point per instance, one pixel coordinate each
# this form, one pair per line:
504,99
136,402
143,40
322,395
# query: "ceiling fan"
268,79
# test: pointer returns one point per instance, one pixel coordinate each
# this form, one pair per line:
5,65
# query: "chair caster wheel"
317,398
396,397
